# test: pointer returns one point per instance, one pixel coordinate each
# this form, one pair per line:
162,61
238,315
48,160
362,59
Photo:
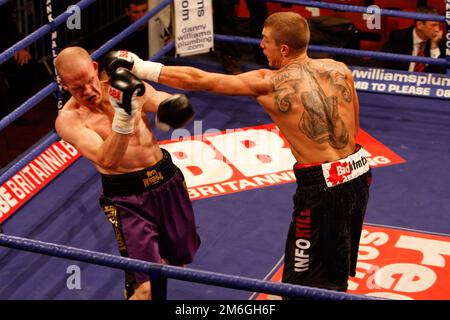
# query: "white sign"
194,32
401,82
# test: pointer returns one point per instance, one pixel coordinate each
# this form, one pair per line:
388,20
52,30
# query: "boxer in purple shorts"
152,216
144,194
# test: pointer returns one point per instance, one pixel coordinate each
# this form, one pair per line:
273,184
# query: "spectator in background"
224,23
136,42
424,38
16,73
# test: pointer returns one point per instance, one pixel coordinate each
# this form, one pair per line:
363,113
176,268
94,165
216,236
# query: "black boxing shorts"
329,207
152,216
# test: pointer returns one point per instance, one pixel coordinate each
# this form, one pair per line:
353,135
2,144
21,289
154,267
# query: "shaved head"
289,28
71,61
78,73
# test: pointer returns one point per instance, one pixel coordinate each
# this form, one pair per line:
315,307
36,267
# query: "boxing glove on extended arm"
174,112
124,89
146,70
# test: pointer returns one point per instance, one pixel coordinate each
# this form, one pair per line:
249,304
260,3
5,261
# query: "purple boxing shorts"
152,215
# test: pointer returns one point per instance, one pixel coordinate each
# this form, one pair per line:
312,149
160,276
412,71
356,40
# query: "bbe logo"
224,162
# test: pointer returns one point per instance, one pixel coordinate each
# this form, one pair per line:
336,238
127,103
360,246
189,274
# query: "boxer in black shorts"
329,207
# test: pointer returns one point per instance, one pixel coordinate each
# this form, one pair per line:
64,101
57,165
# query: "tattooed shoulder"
335,73
286,83
292,72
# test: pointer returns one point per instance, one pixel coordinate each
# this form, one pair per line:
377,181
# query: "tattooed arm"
250,83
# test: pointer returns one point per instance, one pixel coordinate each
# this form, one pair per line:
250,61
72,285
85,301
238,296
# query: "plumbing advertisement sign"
194,32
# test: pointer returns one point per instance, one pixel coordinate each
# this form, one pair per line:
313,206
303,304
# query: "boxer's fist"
117,59
145,70
124,89
174,112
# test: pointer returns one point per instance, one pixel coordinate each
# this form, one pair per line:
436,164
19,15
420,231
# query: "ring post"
158,285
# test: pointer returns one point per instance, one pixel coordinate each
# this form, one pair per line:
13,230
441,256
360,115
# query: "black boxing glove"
174,112
124,89
146,70
117,59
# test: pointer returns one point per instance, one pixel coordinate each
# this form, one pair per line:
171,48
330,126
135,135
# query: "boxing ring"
69,201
